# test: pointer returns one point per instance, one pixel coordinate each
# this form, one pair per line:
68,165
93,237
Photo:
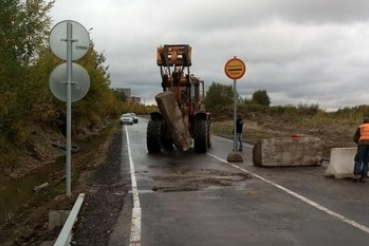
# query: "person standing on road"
361,137
239,126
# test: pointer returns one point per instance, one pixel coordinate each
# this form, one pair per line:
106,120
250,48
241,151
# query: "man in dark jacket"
239,126
361,137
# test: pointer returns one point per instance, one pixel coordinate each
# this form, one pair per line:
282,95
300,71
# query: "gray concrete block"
168,106
297,150
57,218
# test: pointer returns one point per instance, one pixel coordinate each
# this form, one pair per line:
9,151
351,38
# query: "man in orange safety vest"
361,137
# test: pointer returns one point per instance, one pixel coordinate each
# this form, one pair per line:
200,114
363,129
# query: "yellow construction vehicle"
182,120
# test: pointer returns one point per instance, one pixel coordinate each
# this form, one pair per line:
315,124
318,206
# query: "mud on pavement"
185,179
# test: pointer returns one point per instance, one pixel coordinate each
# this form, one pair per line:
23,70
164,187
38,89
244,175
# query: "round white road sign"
80,40
80,83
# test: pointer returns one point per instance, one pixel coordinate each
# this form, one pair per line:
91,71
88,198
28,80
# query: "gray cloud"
299,51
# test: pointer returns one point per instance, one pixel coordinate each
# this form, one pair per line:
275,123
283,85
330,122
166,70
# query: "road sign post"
69,110
234,69
69,40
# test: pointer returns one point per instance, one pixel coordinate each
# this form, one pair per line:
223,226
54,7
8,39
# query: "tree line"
220,96
26,62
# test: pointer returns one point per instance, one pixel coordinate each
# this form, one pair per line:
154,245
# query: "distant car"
134,117
126,119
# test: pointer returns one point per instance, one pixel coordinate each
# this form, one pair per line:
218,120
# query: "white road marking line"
298,196
135,237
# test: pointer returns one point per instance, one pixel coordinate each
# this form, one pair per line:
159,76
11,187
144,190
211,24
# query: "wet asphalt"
200,199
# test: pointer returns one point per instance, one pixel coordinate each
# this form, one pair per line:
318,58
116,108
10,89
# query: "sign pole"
69,108
235,68
61,78
235,116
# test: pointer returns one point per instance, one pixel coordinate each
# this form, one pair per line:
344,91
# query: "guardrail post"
65,235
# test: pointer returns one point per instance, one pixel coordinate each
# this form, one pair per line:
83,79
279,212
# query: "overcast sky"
299,51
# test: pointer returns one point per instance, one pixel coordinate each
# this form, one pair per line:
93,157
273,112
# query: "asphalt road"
184,199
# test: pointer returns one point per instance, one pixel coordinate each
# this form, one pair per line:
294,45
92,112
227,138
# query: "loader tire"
201,136
153,136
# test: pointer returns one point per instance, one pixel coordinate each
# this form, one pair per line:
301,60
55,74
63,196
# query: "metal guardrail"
65,236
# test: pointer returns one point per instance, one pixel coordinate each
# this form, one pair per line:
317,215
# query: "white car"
134,117
126,119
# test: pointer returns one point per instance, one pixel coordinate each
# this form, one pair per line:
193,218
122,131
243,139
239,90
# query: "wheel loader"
181,120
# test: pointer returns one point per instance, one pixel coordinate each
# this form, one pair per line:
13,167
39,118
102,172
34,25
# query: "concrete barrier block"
296,150
57,218
168,106
341,163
